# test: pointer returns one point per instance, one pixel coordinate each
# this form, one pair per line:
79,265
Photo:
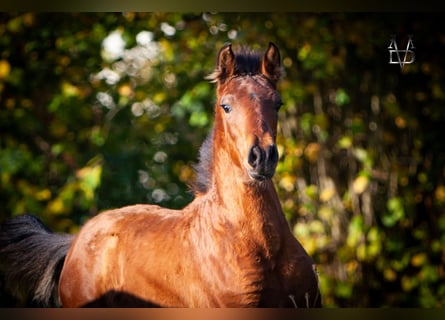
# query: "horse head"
247,108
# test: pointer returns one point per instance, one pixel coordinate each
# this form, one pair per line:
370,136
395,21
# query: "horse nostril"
255,156
272,154
259,157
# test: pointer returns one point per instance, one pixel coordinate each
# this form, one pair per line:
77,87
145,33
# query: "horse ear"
225,64
271,63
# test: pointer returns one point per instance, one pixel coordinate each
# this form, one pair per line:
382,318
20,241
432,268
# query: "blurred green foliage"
103,110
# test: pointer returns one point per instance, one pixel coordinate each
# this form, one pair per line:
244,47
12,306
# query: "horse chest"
260,285
238,286
287,279
244,281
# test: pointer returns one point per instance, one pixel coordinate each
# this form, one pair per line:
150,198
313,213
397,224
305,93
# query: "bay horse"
230,247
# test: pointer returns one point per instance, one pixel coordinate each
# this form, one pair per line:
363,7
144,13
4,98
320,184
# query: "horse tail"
31,260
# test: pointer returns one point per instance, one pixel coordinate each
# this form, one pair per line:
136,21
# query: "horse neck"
251,205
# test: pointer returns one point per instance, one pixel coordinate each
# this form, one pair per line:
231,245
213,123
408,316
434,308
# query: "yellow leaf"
408,283
43,195
56,206
400,122
389,274
439,194
352,266
360,184
310,246
186,173
344,142
325,213
312,151
70,90
418,259
287,183
361,252
327,194
5,68
159,97
301,230
125,90
316,227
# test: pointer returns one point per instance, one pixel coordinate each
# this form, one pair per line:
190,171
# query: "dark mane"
248,62
202,168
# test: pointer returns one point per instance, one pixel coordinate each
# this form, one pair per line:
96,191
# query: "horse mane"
202,168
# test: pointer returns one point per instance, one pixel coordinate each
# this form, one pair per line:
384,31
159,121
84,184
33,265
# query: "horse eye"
226,108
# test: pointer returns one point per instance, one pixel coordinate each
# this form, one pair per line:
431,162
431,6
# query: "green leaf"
341,97
395,212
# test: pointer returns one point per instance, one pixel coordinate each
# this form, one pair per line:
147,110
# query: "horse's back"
100,261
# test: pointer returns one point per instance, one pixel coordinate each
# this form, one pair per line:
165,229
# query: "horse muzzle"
262,162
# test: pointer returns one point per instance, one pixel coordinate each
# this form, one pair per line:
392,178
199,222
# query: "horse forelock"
248,62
